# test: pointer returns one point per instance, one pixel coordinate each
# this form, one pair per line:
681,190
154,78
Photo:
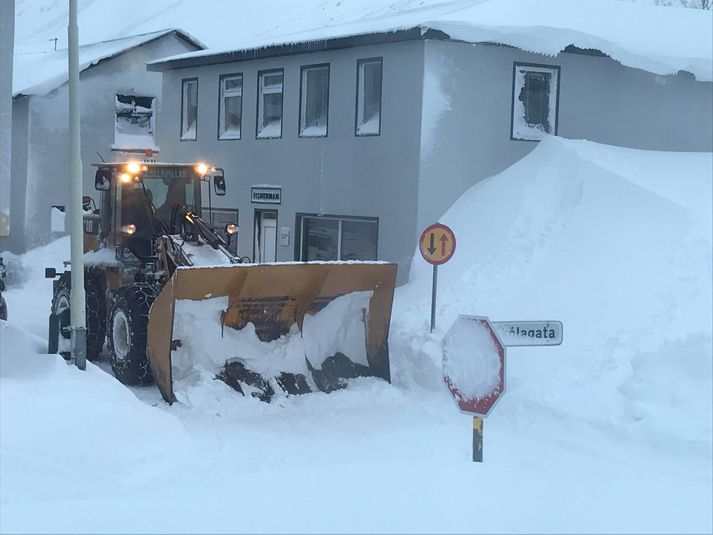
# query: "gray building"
119,103
346,146
7,34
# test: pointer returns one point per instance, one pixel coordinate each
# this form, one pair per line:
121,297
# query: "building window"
314,101
269,104
230,106
134,125
189,109
368,108
534,101
337,238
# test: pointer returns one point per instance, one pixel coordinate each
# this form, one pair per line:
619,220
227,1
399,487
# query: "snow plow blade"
279,300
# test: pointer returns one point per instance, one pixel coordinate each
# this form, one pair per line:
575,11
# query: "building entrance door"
265,243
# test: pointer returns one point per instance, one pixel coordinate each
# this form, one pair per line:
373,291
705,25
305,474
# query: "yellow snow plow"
279,301
170,300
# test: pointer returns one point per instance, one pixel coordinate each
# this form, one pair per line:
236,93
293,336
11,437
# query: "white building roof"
658,39
38,73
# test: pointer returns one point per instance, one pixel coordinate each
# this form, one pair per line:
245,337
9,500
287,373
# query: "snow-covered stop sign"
474,364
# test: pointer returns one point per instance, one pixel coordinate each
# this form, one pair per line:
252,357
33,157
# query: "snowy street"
609,432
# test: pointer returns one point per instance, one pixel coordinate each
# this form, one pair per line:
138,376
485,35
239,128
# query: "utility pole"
77,302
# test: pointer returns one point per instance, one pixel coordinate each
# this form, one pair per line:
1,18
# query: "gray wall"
7,33
467,103
46,141
341,174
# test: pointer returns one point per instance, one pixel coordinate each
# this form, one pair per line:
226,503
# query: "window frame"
303,70
154,110
555,68
180,127
221,103
299,231
360,62
260,75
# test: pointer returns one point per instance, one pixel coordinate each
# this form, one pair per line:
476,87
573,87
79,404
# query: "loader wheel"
127,326
95,313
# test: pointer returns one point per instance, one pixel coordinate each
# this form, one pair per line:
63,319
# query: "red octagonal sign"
474,364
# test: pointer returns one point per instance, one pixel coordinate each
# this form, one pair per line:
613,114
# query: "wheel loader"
165,297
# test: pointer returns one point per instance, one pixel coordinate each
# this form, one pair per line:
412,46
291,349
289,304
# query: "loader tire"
95,312
127,326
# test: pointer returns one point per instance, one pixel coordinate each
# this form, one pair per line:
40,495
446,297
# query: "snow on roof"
659,39
38,73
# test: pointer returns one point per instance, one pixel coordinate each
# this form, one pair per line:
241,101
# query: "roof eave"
334,43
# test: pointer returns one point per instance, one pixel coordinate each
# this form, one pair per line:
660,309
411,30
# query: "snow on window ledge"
371,127
232,133
271,131
314,131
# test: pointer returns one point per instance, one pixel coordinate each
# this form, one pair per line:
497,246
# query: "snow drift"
614,242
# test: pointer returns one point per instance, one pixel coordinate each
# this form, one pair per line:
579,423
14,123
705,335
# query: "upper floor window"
534,101
189,109
314,101
368,112
269,104
230,106
134,125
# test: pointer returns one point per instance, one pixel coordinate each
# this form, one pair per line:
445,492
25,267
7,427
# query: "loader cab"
139,201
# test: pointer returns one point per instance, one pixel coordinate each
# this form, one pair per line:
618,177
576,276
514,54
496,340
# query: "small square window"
134,125
189,109
368,112
534,102
269,104
314,101
230,106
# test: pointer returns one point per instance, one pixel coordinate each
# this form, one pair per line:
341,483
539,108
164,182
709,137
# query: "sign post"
474,371
437,245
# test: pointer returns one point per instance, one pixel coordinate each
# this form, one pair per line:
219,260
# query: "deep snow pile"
609,432
614,242
81,432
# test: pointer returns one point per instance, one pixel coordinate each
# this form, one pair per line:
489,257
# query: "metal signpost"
481,405
503,334
437,245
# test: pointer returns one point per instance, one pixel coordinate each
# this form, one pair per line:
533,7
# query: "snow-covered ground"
611,431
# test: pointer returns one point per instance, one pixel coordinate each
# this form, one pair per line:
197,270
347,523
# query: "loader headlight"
128,229
125,178
202,169
231,228
133,168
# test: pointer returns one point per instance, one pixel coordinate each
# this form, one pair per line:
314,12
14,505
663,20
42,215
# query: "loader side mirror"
102,179
219,184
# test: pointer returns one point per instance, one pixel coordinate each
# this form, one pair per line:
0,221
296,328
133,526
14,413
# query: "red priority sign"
474,364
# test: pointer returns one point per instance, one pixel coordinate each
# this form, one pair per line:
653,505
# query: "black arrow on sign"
432,244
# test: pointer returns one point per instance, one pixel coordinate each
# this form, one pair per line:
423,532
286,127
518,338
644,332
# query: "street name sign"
529,333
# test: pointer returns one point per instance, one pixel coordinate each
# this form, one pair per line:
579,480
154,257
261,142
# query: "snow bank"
67,434
616,243
29,294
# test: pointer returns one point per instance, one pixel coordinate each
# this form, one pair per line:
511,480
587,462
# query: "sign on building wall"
266,194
